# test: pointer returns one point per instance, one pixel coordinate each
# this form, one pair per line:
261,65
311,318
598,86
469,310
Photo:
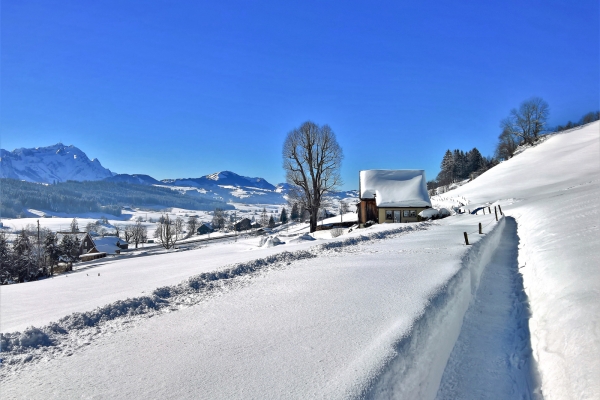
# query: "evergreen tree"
295,214
283,217
67,248
476,162
6,264
51,250
23,256
445,177
271,222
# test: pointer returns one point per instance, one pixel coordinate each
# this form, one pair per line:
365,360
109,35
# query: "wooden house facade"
392,196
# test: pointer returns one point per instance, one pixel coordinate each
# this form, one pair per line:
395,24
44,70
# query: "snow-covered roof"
395,188
108,244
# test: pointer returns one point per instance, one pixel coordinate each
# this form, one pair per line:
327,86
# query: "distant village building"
110,244
243,225
204,229
85,241
87,248
392,195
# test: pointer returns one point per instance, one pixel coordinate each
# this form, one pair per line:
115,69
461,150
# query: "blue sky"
183,89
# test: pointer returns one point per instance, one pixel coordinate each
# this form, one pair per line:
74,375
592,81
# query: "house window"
406,213
413,213
388,215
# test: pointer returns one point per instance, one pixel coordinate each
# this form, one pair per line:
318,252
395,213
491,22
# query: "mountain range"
59,163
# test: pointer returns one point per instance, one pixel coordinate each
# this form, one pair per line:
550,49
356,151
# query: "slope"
552,190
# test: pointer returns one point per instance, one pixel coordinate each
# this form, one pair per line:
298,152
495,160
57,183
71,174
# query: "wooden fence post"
500,209
480,232
466,238
496,211
489,210
483,210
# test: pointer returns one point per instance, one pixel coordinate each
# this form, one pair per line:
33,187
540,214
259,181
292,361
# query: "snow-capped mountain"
56,163
59,163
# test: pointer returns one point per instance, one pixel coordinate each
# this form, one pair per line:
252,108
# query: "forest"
92,196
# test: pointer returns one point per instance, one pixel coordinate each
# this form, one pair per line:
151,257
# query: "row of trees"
457,165
31,257
523,126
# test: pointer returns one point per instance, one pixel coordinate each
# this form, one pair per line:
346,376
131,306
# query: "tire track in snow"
492,357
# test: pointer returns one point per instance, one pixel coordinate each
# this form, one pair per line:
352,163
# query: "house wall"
383,211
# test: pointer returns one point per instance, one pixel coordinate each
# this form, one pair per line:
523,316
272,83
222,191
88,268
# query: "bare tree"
139,233
218,221
179,225
343,210
528,121
165,232
312,158
192,225
74,225
264,218
507,145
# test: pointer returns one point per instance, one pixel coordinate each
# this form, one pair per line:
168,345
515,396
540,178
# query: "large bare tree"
528,121
312,158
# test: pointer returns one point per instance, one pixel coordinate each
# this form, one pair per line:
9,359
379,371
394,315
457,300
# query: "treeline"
458,165
92,196
523,126
29,259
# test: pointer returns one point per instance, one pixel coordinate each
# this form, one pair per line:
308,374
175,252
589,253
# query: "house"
392,195
110,244
204,229
243,225
86,244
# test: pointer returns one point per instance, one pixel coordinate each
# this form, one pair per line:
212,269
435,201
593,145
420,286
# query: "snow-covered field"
374,313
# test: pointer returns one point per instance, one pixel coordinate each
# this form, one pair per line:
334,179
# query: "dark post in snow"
489,210
466,238
500,208
483,210
496,212
480,231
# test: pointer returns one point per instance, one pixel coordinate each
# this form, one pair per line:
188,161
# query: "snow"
390,311
52,163
395,188
327,322
552,190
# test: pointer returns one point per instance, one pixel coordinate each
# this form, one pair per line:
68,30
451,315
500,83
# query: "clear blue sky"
183,89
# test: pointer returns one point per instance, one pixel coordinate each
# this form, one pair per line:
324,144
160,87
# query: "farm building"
204,229
243,225
110,244
86,244
392,195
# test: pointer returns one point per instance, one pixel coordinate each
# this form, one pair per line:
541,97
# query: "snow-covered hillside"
392,311
56,163
553,192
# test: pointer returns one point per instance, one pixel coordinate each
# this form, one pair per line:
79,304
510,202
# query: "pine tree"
445,176
6,262
23,256
271,222
295,214
476,162
51,250
283,217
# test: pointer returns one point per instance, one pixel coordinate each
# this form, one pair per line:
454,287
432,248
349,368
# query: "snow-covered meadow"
390,311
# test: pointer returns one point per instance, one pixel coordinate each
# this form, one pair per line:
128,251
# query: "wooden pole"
500,209
480,231
489,210
483,210
496,211
466,238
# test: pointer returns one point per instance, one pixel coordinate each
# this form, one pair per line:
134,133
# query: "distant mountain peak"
54,163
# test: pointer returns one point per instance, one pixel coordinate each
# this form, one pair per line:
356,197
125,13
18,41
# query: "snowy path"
492,357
